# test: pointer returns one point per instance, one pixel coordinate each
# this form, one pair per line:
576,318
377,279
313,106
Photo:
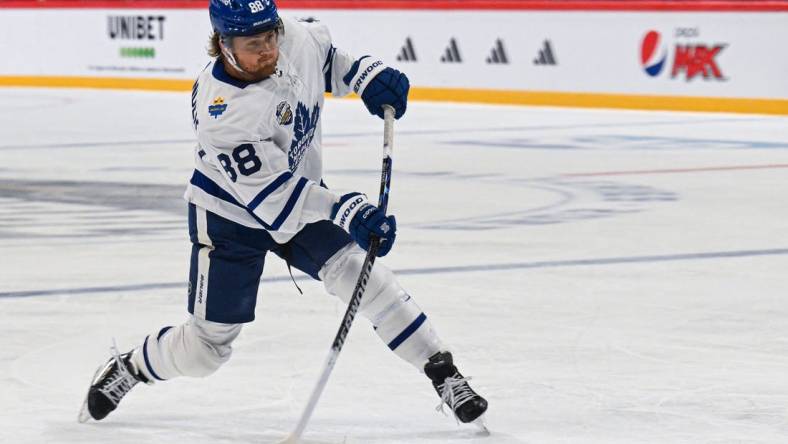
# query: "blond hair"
214,50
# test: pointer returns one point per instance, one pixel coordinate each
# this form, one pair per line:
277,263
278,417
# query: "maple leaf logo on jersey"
303,131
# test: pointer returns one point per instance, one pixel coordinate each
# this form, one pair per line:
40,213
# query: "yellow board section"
97,83
597,100
507,97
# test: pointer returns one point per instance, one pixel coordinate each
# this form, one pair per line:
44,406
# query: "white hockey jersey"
259,156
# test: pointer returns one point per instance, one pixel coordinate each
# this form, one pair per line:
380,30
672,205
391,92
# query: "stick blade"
295,439
291,439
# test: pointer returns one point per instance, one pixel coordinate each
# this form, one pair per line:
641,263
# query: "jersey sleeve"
258,174
342,73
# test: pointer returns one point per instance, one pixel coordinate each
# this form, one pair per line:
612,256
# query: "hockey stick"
361,284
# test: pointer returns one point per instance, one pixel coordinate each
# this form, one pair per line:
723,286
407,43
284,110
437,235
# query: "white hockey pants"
198,347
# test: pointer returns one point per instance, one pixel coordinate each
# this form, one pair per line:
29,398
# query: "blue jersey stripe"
259,221
353,71
147,361
328,68
284,177
162,331
202,182
402,337
290,203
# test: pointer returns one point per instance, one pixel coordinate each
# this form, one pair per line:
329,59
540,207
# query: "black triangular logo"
546,55
452,53
407,53
498,54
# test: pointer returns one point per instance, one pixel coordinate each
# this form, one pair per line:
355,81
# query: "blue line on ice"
447,131
435,270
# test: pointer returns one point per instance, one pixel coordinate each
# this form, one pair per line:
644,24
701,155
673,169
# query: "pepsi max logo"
653,53
691,59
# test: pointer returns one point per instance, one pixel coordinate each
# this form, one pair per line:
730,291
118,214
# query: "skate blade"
84,413
480,423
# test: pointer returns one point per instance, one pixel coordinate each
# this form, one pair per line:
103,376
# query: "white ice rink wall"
679,55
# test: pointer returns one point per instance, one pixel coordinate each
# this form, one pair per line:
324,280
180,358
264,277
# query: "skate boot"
453,388
110,384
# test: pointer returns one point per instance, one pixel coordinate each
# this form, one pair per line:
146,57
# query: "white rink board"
596,52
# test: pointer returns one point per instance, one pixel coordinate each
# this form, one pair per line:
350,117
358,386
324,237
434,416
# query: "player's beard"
265,67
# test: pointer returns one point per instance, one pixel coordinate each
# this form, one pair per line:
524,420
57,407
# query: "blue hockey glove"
389,87
362,220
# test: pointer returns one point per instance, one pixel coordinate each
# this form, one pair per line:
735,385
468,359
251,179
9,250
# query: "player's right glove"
389,87
378,85
363,220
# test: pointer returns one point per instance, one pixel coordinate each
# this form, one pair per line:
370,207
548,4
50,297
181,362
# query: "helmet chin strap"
230,57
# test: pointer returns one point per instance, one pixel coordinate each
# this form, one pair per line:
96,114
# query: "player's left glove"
363,220
389,87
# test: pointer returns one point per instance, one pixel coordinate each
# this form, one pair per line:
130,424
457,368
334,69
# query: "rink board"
677,58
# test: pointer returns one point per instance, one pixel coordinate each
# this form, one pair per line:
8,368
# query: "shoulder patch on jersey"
284,113
217,108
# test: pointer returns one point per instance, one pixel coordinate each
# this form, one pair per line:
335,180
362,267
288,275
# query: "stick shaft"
361,283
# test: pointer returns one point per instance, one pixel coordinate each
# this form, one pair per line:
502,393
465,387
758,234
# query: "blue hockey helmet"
232,18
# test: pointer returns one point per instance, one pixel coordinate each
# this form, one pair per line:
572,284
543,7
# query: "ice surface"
604,276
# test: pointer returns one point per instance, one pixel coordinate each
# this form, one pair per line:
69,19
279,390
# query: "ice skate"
454,390
110,384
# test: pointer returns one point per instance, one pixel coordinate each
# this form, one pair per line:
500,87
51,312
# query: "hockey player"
257,188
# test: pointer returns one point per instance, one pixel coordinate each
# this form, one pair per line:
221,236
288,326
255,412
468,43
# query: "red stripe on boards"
503,5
